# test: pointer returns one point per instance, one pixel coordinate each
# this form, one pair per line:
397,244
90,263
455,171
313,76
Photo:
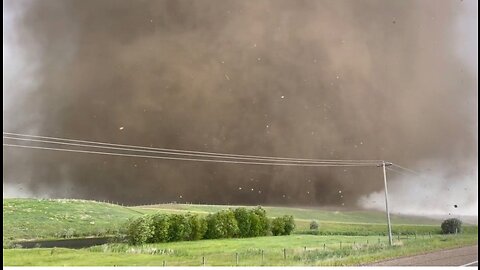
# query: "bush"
283,225
179,228
313,225
161,226
452,225
278,226
289,224
140,230
221,225
260,224
244,221
197,227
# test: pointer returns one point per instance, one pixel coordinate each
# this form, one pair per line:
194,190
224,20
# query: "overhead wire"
192,159
122,147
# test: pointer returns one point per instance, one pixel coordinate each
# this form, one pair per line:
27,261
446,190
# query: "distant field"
26,219
306,214
299,250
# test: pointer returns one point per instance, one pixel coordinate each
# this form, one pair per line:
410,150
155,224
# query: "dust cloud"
351,79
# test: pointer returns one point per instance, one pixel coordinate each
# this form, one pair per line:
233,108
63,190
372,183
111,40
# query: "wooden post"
203,260
284,254
324,247
236,258
262,257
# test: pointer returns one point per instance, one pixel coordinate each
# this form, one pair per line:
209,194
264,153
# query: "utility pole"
385,164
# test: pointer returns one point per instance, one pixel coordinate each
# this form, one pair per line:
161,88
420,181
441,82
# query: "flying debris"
121,128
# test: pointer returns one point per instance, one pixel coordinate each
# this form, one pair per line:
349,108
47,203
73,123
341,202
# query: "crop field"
343,238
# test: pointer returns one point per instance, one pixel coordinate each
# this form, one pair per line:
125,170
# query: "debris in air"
121,128
455,206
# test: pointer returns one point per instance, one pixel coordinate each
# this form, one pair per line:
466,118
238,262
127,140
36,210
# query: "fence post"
236,258
262,257
284,253
203,260
324,247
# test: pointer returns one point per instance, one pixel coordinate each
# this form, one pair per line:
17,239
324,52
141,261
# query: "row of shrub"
240,222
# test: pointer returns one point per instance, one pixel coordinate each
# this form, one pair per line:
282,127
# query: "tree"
313,225
278,226
260,224
161,225
244,221
140,230
221,225
289,224
178,229
197,227
451,225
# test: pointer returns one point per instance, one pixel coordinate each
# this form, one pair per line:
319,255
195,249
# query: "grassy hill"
25,219
43,219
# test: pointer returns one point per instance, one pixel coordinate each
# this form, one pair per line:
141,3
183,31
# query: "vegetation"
300,250
283,225
451,225
29,219
313,225
140,230
221,225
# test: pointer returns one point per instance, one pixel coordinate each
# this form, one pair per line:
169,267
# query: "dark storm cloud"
311,79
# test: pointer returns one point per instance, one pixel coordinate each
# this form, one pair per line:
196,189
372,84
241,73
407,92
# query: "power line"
408,170
170,153
399,172
187,152
190,159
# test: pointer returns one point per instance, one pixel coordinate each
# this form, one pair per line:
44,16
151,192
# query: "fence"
305,255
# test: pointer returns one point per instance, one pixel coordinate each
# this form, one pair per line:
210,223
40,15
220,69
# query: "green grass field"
299,250
28,219
25,219
350,237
